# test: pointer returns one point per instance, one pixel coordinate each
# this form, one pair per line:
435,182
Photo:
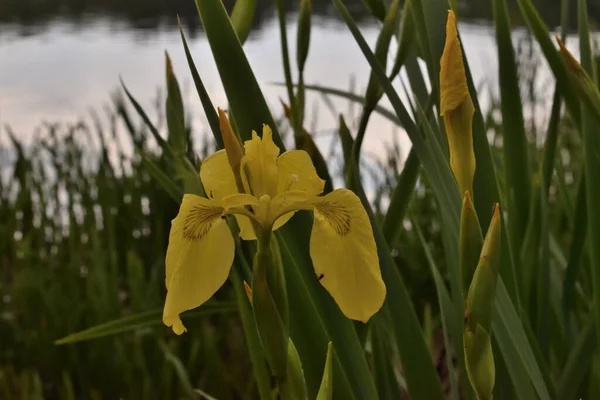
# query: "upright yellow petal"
457,108
261,163
297,172
217,177
344,254
199,257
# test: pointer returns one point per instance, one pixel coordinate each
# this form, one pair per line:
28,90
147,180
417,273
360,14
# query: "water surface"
57,65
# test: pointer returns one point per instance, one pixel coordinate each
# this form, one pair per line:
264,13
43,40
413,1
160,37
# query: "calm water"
56,65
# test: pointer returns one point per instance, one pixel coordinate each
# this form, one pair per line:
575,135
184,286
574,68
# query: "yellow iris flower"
201,247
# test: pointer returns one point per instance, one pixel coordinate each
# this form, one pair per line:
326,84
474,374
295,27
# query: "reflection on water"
59,58
31,15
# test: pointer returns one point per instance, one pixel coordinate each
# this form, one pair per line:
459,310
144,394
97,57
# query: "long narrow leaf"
140,320
209,109
401,197
235,72
512,337
516,160
540,32
446,310
591,146
578,363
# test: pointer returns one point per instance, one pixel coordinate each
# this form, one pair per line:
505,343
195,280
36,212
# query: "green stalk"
374,92
285,52
259,365
270,321
516,160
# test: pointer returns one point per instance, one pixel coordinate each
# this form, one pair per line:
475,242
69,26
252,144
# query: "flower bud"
457,108
480,300
326,388
479,357
233,148
293,386
480,362
469,243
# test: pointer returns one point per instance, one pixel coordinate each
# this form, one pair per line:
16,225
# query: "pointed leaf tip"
248,290
326,388
491,245
169,64
573,63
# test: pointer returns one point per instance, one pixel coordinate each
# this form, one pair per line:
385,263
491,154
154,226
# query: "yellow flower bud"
479,357
470,242
233,148
457,108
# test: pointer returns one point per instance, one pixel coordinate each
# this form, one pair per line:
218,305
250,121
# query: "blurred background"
83,227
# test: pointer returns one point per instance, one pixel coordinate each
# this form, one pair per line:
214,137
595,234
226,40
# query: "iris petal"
297,172
261,163
217,177
246,229
344,254
199,257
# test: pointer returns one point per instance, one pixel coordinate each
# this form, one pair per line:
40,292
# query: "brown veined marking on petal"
199,221
337,216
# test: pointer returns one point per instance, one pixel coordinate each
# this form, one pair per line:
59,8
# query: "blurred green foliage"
83,238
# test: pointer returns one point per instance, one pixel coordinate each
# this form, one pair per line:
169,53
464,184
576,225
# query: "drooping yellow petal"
344,254
297,172
199,257
457,108
217,177
261,163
